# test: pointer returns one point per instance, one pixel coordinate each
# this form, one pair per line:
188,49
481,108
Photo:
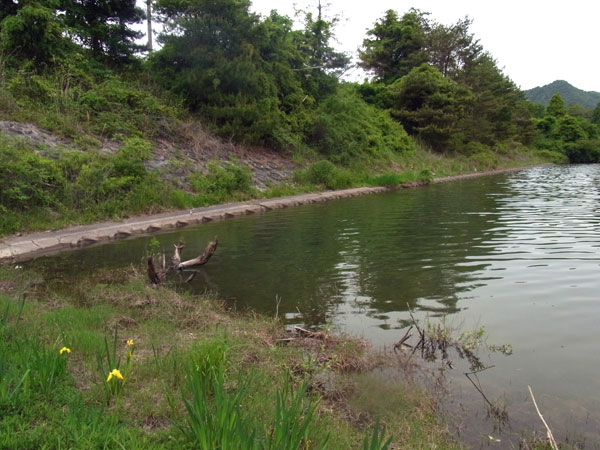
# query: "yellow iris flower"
114,373
64,349
130,342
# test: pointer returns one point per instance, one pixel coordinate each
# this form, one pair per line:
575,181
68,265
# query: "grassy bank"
191,374
50,188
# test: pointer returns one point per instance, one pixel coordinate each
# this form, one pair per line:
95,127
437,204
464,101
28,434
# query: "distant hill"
570,94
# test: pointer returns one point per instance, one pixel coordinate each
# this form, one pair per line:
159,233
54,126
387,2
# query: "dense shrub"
221,182
583,151
116,107
484,160
28,179
345,128
554,156
79,185
325,173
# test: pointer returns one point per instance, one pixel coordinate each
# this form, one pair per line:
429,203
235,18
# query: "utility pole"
149,20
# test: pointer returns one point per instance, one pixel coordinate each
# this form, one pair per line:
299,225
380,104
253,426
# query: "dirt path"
28,246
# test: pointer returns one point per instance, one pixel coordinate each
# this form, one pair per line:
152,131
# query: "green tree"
497,110
556,107
344,128
451,48
31,32
569,129
103,27
282,57
322,63
429,106
596,114
211,56
395,46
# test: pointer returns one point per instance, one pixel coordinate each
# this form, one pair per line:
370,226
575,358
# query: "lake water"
518,254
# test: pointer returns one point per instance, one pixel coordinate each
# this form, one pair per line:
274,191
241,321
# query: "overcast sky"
535,42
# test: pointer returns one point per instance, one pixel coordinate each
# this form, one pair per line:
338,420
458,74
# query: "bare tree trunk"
154,278
149,20
158,277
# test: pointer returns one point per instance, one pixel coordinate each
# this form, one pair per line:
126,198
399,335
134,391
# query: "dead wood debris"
159,276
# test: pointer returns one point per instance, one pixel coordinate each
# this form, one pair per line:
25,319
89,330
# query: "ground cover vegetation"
112,362
437,105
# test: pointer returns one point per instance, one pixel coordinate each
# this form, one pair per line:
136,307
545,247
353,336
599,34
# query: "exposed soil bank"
23,247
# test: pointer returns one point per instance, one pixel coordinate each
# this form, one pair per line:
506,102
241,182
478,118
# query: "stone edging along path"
20,248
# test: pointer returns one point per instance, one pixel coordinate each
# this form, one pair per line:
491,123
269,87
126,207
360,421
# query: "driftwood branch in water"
152,274
201,259
158,277
176,258
401,342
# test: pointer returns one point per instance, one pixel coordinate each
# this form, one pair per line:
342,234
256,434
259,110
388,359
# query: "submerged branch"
159,276
152,274
548,430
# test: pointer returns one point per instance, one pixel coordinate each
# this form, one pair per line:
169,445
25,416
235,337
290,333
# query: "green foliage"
428,105
377,441
554,156
568,129
473,148
215,418
556,107
326,174
29,180
222,182
564,136
32,33
47,366
426,175
441,85
583,151
392,179
108,362
114,107
110,182
259,83
71,101
345,128
496,111
103,27
322,60
15,377
596,115
294,413
451,48
91,185
215,63
484,160
395,46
